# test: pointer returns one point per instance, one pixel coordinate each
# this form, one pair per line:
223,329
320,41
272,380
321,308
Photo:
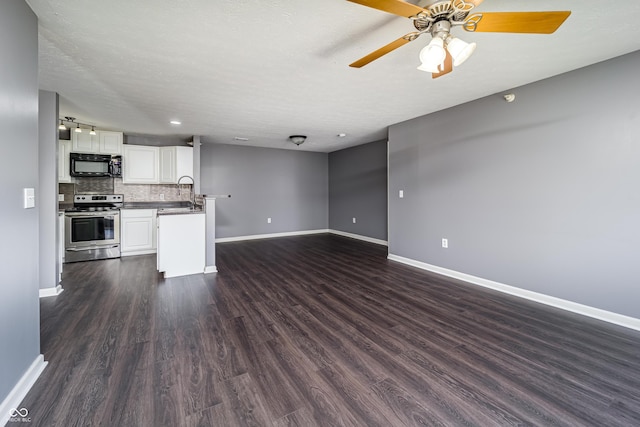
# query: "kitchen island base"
181,244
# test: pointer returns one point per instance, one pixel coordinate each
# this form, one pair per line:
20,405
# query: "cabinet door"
110,142
184,162
139,164
174,163
138,231
84,143
168,165
64,148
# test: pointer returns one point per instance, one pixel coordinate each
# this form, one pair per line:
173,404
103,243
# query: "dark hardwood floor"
320,330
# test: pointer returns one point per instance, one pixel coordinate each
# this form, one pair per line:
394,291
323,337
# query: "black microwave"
95,165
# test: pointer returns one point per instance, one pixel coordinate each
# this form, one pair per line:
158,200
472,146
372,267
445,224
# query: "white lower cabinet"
138,231
60,244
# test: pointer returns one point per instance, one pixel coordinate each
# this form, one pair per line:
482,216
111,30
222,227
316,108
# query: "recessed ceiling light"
175,122
341,135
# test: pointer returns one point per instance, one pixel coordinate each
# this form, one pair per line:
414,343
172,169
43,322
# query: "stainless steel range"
92,227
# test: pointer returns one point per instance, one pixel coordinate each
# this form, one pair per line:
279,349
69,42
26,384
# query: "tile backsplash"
151,192
132,192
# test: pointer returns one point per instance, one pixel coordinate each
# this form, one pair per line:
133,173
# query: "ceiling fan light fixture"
432,55
460,50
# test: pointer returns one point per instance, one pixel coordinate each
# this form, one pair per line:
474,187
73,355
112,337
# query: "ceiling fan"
438,17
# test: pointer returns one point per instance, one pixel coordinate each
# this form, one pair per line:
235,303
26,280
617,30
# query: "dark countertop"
180,211
155,205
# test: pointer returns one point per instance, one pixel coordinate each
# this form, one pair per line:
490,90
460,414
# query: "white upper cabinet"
64,148
103,142
84,143
140,164
174,163
110,142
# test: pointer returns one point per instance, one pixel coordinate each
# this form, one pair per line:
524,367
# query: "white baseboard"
51,292
359,237
210,269
596,313
21,389
270,235
143,252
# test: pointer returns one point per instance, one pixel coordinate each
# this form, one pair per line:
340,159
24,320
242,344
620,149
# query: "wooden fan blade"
397,7
448,67
516,22
384,50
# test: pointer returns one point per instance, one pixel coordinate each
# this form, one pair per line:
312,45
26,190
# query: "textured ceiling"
264,70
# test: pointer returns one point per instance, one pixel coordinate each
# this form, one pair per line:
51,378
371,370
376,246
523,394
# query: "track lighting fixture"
78,128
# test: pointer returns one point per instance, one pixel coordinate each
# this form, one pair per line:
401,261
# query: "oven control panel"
98,198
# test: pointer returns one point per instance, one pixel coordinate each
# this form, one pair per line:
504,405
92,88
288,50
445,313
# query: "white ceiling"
264,70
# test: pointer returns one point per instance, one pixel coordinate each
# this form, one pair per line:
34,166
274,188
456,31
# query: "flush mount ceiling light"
175,122
298,139
438,17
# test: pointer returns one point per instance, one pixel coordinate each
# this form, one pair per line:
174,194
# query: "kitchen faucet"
192,194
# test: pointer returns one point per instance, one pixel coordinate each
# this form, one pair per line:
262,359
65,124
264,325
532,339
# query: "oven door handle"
84,215
90,247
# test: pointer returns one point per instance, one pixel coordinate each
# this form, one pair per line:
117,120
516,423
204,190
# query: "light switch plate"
401,194
29,198
61,197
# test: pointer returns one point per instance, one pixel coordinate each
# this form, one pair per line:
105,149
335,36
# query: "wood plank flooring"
320,330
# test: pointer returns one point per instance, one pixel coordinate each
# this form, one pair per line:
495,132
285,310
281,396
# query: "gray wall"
541,194
358,188
289,186
48,188
19,312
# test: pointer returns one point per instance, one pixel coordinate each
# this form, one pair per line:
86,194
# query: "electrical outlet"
401,194
161,196
268,220
354,219
445,243
61,197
